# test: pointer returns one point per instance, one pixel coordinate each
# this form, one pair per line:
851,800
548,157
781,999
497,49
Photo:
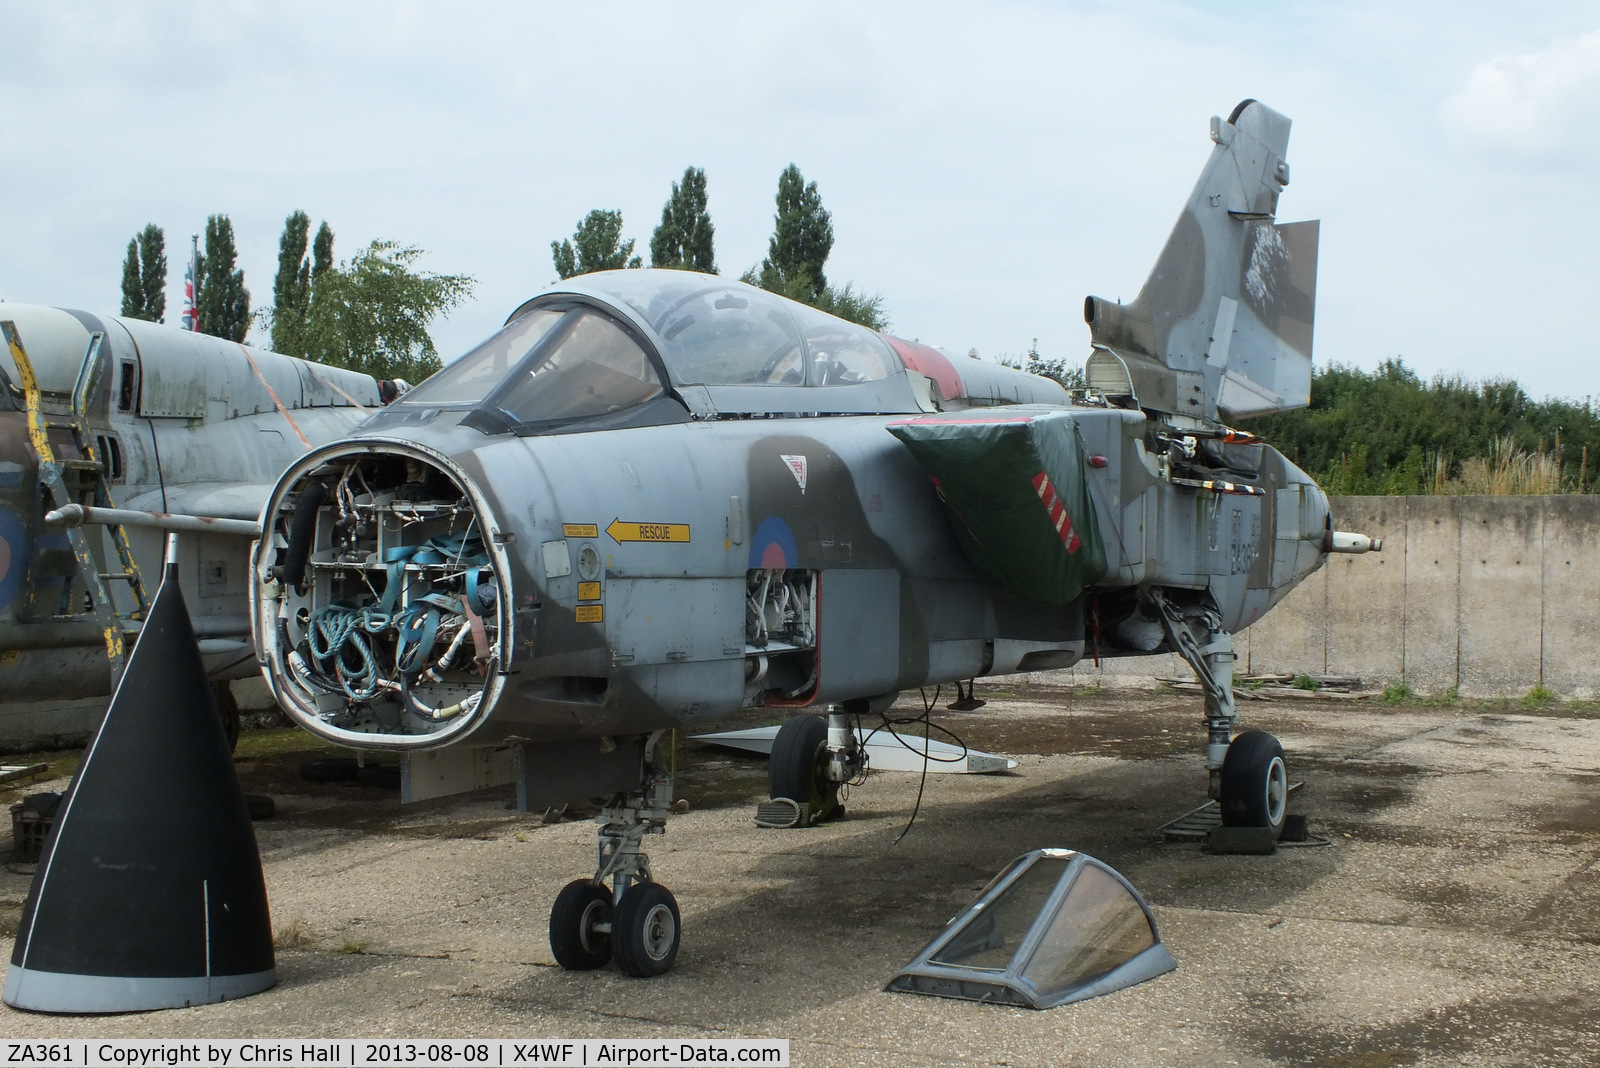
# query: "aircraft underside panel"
860,634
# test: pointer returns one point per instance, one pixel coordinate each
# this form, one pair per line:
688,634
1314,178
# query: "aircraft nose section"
382,597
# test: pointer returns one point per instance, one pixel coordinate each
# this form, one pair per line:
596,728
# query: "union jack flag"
190,319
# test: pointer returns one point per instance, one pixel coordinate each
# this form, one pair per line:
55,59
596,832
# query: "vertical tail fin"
1222,327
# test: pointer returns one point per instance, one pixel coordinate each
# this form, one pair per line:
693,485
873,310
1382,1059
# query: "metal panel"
457,769
660,621
859,631
572,771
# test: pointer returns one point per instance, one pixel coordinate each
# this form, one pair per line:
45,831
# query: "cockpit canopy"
720,333
643,347
612,342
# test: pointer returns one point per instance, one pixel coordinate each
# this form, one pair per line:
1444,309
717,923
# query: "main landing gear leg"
1248,776
635,922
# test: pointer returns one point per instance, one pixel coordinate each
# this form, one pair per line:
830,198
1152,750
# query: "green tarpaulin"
1013,483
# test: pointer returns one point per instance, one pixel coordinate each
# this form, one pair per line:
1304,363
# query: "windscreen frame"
488,414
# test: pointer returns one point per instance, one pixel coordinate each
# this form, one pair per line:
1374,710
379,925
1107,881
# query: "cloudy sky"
987,166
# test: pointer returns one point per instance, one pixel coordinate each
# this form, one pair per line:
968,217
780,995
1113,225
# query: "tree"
144,276
1045,367
223,301
596,246
291,289
849,303
683,241
321,252
1388,432
372,313
802,238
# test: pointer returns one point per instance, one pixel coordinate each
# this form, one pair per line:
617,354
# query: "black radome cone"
149,894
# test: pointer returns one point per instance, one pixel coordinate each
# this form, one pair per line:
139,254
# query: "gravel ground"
1453,918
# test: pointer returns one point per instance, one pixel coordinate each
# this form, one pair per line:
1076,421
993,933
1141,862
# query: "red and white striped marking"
1058,512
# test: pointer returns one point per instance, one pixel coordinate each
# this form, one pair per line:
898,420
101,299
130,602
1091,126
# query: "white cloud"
1533,105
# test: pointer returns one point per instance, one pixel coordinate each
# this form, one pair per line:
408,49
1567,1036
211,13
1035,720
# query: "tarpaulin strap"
480,636
396,559
418,628
273,394
331,384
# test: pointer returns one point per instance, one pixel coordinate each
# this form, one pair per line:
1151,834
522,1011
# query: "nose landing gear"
635,921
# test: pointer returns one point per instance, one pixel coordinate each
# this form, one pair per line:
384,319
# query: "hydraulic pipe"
73,515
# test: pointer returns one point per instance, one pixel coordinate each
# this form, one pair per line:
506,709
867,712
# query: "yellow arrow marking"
621,532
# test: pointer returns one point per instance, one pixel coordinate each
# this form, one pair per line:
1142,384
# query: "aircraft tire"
798,767
645,930
1255,783
577,946
228,709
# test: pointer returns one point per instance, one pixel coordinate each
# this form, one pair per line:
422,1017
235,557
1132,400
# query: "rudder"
1222,327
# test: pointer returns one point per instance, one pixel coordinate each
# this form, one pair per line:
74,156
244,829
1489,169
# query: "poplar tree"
597,245
802,238
321,253
291,289
684,239
223,301
144,276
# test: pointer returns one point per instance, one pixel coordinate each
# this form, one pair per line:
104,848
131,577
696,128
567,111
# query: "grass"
1396,691
1306,682
354,945
291,934
1538,696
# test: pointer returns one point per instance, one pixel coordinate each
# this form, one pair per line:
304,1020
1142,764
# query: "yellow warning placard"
588,591
580,530
591,613
621,532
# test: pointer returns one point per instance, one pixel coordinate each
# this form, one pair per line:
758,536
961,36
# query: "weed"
1397,690
1448,699
1538,696
354,945
1305,682
292,933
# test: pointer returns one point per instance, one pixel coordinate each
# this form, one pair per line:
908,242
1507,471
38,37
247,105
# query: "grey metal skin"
187,426
1203,534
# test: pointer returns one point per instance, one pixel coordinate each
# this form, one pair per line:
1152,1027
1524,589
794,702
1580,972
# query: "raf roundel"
13,556
773,545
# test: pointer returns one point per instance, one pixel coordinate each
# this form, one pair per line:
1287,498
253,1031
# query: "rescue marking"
579,530
621,532
797,467
591,613
1057,511
588,591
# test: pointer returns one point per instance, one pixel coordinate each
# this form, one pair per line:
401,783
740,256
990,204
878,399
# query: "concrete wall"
1494,595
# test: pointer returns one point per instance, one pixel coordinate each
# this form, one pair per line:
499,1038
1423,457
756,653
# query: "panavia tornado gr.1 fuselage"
655,498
